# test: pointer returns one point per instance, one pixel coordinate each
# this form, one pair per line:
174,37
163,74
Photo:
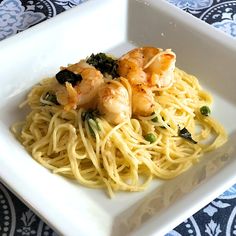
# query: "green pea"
205,110
150,137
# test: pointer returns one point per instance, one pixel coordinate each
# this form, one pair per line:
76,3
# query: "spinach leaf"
65,75
51,97
155,119
184,133
89,116
104,63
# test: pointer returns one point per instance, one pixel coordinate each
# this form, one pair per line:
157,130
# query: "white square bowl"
115,26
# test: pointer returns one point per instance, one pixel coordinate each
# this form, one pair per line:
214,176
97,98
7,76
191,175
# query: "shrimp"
160,69
148,65
131,64
114,102
85,92
143,103
146,68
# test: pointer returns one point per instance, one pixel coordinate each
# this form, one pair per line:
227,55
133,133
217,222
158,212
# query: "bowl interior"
115,27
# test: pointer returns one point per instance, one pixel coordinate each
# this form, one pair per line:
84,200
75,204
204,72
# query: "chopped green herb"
89,114
93,124
65,75
184,133
163,127
90,117
104,63
205,110
155,119
51,97
150,137
90,128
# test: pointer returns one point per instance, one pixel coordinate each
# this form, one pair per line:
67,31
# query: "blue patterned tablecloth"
216,219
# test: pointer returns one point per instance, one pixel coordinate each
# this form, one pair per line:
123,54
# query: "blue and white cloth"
218,218
219,13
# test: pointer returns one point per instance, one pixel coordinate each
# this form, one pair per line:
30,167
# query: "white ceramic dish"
116,26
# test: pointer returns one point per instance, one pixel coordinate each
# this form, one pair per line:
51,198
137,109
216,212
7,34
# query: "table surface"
216,219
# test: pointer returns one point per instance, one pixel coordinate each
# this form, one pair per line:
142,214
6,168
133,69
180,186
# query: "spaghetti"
80,143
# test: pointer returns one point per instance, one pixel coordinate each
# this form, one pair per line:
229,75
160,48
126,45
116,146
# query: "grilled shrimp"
142,100
146,68
85,92
148,65
160,69
114,102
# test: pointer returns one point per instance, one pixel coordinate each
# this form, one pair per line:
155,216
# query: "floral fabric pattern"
68,4
192,4
218,218
219,13
227,26
14,17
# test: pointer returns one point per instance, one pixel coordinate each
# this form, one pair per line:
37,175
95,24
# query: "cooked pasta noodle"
117,157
